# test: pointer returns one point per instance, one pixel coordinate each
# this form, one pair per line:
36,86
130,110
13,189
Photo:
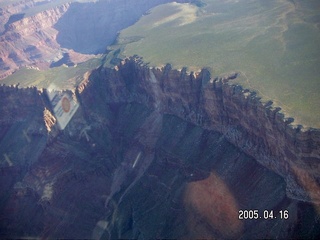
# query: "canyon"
155,153
123,149
38,39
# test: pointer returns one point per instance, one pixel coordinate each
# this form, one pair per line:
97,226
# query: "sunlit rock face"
30,41
154,153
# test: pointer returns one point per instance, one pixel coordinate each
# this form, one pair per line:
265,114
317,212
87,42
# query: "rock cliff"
10,11
155,153
42,38
257,128
91,33
31,41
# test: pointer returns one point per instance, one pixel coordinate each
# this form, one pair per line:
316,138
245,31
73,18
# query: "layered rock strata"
155,153
31,41
7,10
42,39
257,128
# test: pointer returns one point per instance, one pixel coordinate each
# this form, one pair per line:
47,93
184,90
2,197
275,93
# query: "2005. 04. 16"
267,214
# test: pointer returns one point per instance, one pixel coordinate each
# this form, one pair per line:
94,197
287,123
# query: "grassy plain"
274,44
61,77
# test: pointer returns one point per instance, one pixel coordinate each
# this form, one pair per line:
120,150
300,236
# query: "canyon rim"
96,144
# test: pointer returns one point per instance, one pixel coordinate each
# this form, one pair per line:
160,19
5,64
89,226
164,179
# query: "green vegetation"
273,44
62,77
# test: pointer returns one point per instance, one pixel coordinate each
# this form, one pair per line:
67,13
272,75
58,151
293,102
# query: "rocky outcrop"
257,128
8,10
92,33
18,104
43,39
31,41
42,20
155,143
49,119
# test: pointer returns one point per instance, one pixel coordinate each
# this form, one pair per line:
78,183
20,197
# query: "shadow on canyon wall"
90,27
138,161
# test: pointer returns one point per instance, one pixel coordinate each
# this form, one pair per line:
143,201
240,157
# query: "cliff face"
256,128
31,41
8,10
155,153
15,103
182,104
23,116
76,29
91,33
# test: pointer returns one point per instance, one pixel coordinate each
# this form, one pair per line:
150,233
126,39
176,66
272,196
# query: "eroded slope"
273,45
45,34
155,153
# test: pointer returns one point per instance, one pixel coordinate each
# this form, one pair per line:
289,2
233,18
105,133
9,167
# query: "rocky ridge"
39,40
6,11
31,41
119,139
257,128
